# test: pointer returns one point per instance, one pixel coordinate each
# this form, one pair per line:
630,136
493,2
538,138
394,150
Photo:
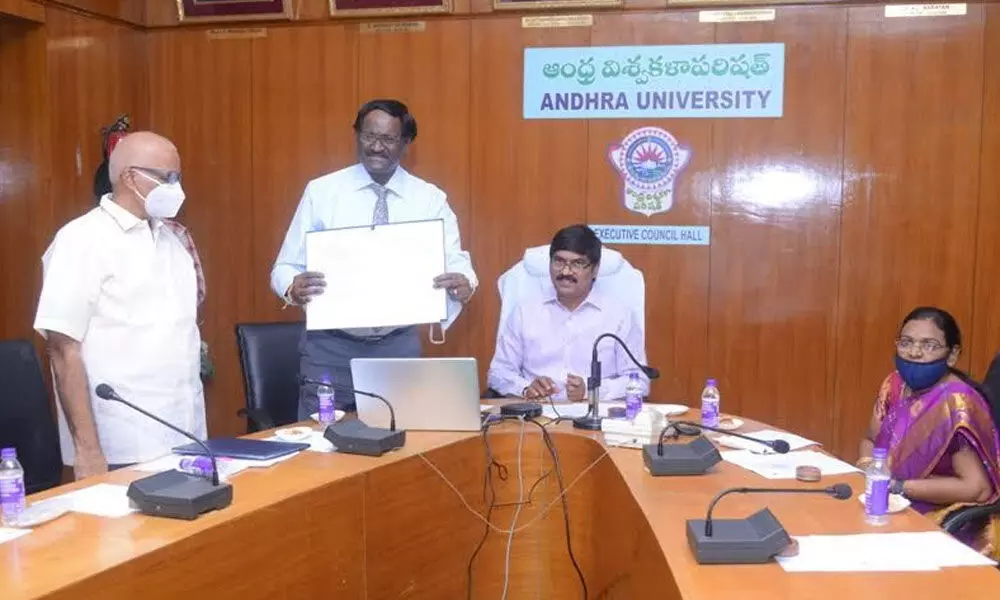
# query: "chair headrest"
536,262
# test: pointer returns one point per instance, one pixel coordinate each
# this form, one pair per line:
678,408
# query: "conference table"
405,525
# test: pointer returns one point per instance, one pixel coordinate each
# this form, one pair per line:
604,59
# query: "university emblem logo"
649,160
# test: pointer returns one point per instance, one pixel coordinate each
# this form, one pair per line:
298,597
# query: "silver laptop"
430,394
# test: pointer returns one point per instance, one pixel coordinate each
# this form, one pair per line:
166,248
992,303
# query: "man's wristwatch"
897,486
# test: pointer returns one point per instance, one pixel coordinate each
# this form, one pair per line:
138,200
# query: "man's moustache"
566,278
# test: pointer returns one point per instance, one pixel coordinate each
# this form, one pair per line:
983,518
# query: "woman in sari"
944,452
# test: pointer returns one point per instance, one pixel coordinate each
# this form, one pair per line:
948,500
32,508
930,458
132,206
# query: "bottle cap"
8,454
711,382
880,453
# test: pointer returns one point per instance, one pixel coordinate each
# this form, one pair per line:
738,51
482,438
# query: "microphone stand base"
351,436
178,495
588,422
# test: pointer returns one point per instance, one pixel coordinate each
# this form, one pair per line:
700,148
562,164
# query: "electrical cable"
517,512
564,490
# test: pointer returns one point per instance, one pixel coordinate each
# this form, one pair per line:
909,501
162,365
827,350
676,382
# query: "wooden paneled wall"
875,192
60,83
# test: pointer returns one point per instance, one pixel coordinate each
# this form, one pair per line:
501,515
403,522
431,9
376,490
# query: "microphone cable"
517,511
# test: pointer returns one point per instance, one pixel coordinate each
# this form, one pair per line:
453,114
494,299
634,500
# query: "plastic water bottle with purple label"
11,488
877,489
197,465
710,401
325,395
633,396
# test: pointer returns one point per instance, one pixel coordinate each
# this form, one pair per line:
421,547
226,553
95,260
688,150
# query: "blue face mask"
920,376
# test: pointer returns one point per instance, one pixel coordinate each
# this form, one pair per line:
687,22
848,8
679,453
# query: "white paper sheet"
102,500
846,553
782,466
227,466
945,550
9,533
911,551
796,442
377,276
316,441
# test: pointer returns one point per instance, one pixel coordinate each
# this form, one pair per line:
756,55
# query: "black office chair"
26,420
959,518
269,356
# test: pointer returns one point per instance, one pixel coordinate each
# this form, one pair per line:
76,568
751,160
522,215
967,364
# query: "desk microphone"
174,494
755,539
353,436
592,420
779,446
694,457
840,491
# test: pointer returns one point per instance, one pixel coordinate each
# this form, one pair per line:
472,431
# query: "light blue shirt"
541,337
346,198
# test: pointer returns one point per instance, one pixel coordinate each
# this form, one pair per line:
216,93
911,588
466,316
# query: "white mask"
164,201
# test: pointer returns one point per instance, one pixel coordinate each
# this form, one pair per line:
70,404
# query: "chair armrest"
960,517
257,420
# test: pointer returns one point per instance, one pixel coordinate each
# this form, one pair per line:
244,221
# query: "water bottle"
11,488
633,396
197,465
325,394
877,489
710,400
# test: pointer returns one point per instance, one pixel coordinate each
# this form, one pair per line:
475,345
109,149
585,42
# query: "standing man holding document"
375,191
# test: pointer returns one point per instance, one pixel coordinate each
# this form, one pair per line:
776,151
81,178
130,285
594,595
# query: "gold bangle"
864,462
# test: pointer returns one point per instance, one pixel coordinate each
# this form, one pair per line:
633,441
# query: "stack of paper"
782,466
913,551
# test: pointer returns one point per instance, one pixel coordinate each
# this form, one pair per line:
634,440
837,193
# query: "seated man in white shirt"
118,306
544,348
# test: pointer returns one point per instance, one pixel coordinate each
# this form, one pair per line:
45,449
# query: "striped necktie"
381,214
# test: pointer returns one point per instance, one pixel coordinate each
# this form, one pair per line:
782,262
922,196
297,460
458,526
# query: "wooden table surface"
340,526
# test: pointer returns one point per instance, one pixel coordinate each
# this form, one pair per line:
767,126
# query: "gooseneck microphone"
173,494
754,539
779,446
840,491
353,436
303,380
592,420
106,392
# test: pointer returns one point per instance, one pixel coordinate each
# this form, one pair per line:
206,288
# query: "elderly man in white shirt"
118,306
373,192
544,347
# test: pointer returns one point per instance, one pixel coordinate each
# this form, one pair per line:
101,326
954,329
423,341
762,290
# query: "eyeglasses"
160,174
928,346
577,264
368,138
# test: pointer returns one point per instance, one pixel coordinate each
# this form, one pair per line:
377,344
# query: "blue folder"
244,448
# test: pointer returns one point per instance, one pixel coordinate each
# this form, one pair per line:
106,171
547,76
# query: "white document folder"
377,276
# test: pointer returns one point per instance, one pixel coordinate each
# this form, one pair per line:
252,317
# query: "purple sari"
924,431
